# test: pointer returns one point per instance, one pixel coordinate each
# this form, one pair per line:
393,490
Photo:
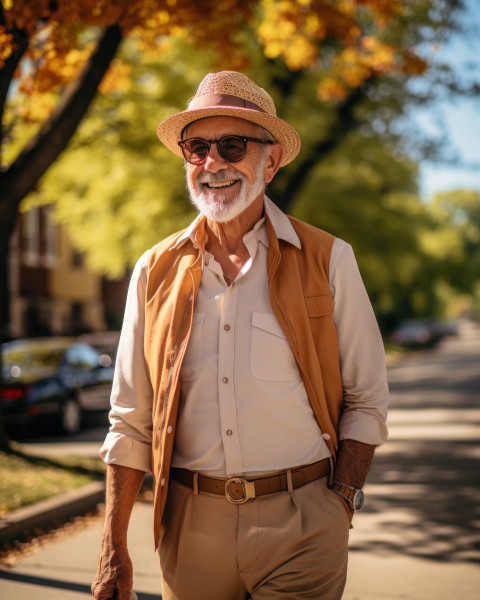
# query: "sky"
460,118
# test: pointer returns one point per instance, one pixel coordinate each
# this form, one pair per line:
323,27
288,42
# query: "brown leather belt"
239,490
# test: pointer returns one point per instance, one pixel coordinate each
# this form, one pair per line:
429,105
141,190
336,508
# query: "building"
52,290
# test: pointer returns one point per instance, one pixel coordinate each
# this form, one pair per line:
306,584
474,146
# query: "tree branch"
56,132
284,190
8,70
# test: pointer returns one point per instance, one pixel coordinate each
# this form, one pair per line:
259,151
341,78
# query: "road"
418,536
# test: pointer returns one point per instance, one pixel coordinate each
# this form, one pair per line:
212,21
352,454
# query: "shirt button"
226,327
169,429
229,432
162,483
225,379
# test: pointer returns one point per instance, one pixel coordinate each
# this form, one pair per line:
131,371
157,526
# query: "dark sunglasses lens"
195,150
231,148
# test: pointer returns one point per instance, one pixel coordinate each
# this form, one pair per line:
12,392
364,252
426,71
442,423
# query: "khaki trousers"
283,545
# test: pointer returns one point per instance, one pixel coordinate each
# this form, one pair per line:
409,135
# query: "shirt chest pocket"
191,361
271,357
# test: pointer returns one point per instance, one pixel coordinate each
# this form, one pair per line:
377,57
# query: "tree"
60,53
63,50
454,242
66,49
353,176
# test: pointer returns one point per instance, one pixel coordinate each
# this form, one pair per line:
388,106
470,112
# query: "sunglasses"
231,148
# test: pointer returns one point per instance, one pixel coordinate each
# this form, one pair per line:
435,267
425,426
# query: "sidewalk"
378,572
64,569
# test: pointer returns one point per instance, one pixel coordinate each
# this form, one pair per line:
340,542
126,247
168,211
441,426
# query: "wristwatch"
354,497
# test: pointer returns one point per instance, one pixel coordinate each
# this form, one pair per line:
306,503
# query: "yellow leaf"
330,89
299,53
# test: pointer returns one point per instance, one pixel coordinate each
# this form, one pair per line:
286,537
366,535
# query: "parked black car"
53,378
105,342
418,333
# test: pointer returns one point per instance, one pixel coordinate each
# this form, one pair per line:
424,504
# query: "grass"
25,479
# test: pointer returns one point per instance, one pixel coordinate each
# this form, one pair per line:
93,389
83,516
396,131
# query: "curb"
49,512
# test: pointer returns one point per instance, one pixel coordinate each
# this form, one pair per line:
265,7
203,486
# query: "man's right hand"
114,578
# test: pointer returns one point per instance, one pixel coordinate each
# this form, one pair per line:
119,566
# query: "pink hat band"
222,100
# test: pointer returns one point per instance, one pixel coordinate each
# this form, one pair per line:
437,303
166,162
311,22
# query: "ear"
273,162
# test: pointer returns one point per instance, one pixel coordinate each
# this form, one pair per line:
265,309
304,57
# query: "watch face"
359,500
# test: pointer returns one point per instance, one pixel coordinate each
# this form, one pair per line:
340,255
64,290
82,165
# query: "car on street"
418,333
54,379
105,342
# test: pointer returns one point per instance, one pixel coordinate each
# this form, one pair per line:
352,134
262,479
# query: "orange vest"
301,301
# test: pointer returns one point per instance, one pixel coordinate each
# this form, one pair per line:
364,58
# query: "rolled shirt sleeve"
361,350
129,440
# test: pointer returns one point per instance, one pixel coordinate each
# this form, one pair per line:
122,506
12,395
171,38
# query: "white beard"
220,210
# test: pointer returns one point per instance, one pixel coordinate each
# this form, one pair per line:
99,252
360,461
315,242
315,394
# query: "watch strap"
345,491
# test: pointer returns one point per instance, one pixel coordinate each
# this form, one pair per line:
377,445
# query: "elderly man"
250,378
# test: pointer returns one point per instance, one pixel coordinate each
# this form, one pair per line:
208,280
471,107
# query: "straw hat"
231,94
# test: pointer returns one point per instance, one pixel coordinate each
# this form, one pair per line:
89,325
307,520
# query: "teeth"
212,184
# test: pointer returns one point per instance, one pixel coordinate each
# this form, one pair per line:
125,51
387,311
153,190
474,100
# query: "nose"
214,162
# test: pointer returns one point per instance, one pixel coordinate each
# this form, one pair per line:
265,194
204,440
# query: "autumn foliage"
56,54
344,36
61,36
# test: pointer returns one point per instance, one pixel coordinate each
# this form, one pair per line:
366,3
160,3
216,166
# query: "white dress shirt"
243,405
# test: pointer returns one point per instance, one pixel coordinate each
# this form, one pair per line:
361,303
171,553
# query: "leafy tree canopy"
455,240
339,72
58,37
120,191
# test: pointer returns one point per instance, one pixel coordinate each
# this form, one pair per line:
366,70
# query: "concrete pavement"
63,569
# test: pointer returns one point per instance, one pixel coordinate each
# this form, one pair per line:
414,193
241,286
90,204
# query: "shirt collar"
281,224
279,220
190,233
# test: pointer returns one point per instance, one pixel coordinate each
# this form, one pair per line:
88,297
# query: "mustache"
220,176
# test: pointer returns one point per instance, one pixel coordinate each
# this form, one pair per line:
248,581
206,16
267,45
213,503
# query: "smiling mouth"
220,184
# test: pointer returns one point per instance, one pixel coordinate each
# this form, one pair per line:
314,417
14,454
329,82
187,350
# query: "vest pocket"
319,306
320,313
191,361
271,357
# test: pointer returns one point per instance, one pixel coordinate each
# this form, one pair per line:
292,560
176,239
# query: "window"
80,356
77,259
50,237
31,236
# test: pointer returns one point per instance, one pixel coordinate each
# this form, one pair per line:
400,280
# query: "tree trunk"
5,317
286,186
32,162
55,133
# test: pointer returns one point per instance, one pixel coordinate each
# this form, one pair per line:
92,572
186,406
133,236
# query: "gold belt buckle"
248,490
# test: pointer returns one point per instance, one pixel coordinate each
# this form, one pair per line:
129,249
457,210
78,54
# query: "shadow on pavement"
63,585
422,491
426,503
